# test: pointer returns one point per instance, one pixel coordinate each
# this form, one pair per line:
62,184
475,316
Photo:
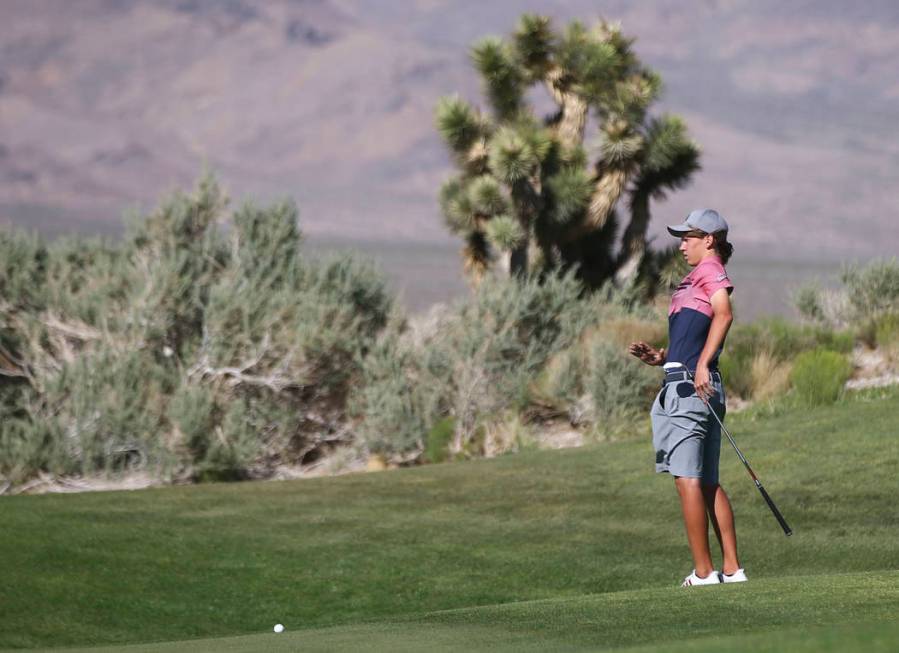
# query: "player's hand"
647,354
702,382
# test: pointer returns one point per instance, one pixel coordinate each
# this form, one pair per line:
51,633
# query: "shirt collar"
710,259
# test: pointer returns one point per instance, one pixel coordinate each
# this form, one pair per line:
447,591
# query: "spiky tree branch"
525,196
669,160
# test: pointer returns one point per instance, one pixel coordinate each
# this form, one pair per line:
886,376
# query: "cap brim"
679,230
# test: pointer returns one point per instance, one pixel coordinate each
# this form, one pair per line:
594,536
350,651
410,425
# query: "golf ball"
279,628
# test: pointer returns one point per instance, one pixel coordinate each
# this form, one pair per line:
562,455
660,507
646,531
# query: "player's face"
695,247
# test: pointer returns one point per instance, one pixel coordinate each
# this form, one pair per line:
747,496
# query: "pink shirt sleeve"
712,277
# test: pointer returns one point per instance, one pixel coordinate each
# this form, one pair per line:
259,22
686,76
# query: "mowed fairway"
569,550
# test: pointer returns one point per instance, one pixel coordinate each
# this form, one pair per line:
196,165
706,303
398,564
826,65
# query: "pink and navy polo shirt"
690,314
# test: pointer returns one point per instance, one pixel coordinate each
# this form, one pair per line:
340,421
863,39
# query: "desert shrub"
819,376
886,332
620,386
514,351
232,446
595,381
283,338
185,349
874,288
103,412
87,280
438,440
735,364
560,383
867,292
880,330
494,345
24,448
754,354
397,405
175,256
809,302
479,362
193,415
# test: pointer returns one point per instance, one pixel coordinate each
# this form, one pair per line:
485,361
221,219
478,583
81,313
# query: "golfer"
685,435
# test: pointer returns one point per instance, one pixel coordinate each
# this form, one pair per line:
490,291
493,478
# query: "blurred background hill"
106,104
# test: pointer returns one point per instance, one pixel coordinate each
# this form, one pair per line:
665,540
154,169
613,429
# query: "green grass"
568,550
756,616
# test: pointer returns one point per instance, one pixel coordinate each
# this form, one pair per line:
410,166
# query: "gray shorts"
685,435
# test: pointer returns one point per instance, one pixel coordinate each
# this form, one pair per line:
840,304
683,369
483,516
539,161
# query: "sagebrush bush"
819,376
620,386
867,293
186,349
495,344
880,330
102,412
397,400
480,361
560,383
873,289
886,332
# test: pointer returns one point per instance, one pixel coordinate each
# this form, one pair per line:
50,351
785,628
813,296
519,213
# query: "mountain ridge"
108,104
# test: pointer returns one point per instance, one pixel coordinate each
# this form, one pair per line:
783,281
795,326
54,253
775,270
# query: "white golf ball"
279,628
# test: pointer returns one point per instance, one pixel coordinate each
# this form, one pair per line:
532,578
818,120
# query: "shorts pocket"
685,389
662,395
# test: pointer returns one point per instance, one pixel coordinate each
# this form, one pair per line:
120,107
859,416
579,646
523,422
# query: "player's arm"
722,317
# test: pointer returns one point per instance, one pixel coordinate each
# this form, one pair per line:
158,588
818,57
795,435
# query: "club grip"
780,518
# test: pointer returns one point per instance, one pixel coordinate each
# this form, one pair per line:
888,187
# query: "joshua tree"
527,197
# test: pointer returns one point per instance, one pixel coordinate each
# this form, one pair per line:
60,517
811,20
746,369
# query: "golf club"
780,518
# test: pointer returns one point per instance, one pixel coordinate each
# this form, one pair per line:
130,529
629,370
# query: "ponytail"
722,248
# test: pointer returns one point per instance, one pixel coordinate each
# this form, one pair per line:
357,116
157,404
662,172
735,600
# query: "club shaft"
779,517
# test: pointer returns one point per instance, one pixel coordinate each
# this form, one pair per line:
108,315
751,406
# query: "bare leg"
722,517
697,523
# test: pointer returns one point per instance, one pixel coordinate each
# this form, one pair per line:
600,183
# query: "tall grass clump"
203,345
886,331
819,376
757,357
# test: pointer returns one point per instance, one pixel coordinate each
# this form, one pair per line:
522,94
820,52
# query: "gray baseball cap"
707,220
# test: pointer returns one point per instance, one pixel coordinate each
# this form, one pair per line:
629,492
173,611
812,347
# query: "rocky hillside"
106,104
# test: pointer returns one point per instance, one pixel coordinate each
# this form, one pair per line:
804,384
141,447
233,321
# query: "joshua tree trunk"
518,261
475,256
608,189
606,193
526,204
633,245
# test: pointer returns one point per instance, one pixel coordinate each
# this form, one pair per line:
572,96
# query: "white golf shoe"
693,579
739,576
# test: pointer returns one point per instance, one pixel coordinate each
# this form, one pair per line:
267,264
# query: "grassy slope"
762,616
219,560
